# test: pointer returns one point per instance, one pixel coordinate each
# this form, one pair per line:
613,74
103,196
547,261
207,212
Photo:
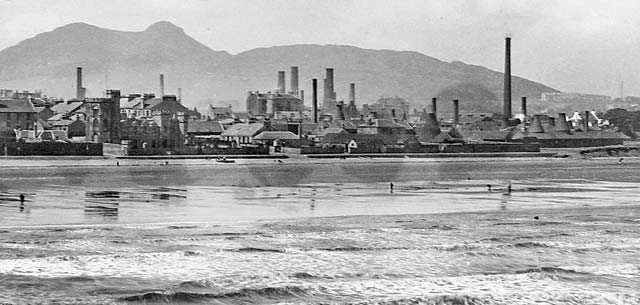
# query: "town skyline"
546,50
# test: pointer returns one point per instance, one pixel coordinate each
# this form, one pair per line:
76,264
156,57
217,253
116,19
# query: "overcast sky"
579,46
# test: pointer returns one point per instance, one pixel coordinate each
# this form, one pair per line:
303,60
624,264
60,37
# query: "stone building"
103,118
268,104
17,114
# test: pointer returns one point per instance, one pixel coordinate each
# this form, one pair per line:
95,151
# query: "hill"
131,61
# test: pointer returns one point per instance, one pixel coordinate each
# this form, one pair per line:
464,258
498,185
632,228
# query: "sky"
587,46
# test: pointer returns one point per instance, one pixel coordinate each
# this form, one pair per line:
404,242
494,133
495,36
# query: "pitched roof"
219,110
42,124
60,123
210,127
381,123
58,135
152,102
166,105
17,105
243,130
66,108
329,130
131,104
345,124
56,117
276,135
405,124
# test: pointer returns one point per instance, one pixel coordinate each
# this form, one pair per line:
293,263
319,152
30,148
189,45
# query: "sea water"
447,233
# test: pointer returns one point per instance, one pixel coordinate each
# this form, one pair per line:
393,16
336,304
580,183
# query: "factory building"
270,104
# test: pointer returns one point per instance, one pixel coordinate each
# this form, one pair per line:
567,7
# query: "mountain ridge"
131,61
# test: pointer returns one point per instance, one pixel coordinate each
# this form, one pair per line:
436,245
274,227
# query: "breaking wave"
530,244
431,300
553,270
258,249
186,296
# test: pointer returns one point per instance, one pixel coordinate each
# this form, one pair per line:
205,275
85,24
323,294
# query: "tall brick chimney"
523,105
79,88
281,87
585,120
434,107
506,107
352,93
161,85
294,81
314,93
456,113
328,102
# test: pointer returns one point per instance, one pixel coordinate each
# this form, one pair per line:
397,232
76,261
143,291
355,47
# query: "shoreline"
578,153
109,161
244,224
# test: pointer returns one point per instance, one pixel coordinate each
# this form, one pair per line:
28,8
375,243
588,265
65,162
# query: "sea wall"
52,149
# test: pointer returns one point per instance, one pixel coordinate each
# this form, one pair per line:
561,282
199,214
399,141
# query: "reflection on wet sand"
15,199
240,192
102,203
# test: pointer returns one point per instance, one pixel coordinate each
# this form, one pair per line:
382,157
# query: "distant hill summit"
131,61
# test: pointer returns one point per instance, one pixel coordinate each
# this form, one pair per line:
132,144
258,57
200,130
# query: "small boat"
224,160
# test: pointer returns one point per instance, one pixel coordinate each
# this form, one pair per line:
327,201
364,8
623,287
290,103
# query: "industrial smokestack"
536,125
79,88
329,78
325,96
328,102
561,124
456,113
294,81
179,95
161,85
506,110
314,97
281,82
585,120
523,105
434,107
352,93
